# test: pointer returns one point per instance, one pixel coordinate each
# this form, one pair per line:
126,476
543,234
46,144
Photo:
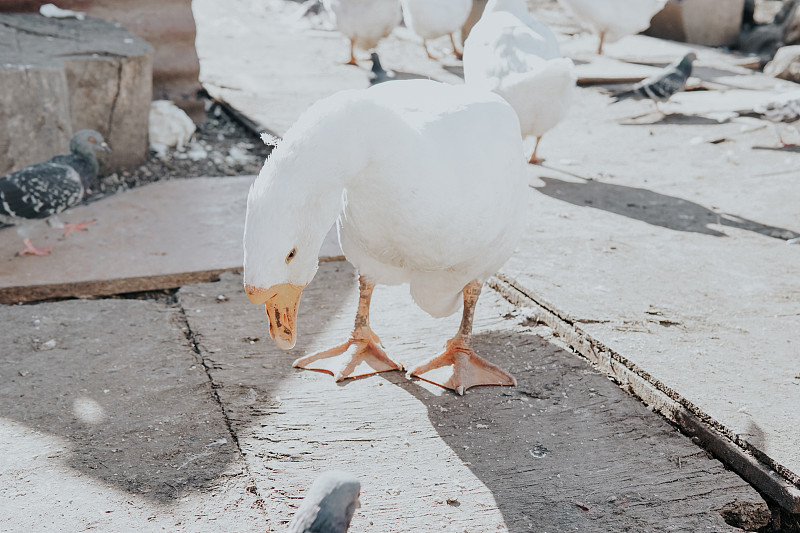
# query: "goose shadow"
653,208
792,148
564,450
135,388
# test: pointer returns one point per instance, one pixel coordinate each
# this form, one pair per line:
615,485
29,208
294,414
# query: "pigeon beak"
105,146
281,303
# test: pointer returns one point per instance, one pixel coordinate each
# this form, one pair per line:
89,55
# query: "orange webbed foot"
360,356
460,368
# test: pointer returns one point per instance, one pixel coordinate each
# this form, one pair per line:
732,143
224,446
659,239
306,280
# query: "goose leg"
425,44
352,53
30,249
536,160
459,367
456,52
600,46
361,355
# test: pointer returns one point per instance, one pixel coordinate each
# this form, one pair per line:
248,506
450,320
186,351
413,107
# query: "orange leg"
425,44
30,249
536,160
456,52
80,226
352,53
459,367
361,355
602,40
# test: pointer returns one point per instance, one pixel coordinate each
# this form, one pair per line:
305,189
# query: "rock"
785,64
58,76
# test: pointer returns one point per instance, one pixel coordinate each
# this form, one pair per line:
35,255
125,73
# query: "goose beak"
281,303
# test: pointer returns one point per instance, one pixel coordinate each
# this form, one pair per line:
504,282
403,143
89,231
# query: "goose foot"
460,368
360,356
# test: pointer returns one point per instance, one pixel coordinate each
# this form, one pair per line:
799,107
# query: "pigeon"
378,74
329,504
45,189
660,87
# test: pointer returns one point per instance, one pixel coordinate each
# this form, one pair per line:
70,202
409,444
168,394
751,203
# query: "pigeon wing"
40,191
664,86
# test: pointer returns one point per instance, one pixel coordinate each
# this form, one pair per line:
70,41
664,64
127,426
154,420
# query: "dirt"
220,147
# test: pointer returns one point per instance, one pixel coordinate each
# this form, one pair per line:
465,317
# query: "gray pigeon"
378,75
661,86
329,505
45,189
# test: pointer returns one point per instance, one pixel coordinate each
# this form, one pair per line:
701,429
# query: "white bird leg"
361,355
456,52
352,53
536,160
459,367
425,44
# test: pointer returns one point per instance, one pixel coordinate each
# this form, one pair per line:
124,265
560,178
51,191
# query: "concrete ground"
656,248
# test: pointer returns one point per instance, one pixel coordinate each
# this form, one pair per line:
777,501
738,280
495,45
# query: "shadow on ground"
653,208
567,450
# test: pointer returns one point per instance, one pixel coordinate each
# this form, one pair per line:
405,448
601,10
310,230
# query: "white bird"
434,18
168,127
428,186
364,22
511,53
614,19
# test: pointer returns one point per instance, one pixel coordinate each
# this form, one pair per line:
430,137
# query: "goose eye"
291,255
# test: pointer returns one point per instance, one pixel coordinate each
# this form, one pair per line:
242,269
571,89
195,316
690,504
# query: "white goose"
434,18
614,19
364,22
423,195
511,53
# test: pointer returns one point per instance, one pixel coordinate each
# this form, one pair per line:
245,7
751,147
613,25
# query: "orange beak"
281,302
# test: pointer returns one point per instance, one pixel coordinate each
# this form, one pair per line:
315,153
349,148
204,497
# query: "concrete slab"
237,44
675,258
110,423
566,450
159,236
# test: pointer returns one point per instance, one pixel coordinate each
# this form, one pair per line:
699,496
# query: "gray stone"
61,75
785,64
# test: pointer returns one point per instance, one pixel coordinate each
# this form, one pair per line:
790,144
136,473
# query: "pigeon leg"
536,160
459,367
456,52
80,226
361,355
352,53
425,44
30,249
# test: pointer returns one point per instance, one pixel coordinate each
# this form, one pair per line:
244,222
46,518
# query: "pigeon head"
686,63
87,142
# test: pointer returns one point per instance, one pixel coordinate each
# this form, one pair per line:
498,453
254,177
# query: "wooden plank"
565,449
159,236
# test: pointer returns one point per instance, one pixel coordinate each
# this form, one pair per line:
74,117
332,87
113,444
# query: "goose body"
364,22
421,193
435,18
516,56
614,19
